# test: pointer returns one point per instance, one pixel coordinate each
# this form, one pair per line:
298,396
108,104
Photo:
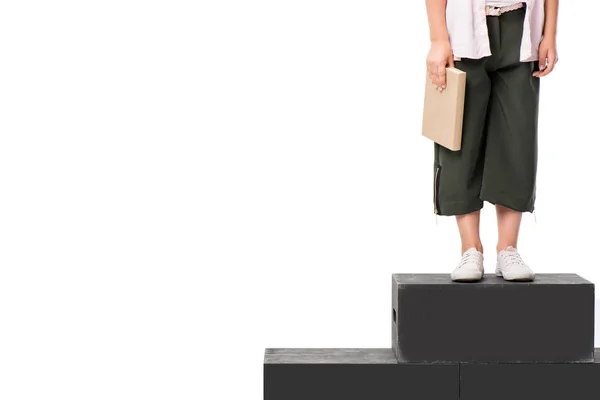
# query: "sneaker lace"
513,259
468,259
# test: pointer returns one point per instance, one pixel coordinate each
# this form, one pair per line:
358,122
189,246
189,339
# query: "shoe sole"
518,279
466,279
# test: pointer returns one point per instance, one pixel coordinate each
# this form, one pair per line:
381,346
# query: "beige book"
443,111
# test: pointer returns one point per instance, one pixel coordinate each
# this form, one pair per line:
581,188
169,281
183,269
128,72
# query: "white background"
185,183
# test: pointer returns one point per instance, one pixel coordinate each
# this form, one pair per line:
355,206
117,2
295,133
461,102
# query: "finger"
543,59
434,75
542,64
451,62
431,72
547,70
441,76
543,55
550,62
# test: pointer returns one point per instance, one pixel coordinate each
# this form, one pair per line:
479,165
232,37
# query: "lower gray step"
375,374
354,374
530,381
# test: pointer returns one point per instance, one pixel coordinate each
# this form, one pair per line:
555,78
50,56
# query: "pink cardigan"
467,28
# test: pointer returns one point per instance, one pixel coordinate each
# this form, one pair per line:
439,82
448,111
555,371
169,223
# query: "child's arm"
550,17
440,54
547,52
436,14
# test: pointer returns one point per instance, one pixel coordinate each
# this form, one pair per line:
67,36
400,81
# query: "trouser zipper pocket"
436,190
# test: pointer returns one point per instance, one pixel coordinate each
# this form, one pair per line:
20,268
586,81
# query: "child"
504,46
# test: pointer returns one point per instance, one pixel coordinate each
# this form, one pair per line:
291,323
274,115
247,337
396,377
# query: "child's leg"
468,227
458,174
509,172
509,222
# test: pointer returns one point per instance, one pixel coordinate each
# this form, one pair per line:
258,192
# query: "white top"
467,27
500,3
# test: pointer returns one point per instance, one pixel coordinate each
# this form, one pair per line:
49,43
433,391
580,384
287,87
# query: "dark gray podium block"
354,374
548,320
531,381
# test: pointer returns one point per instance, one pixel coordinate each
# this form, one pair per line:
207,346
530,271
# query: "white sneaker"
511,266
470,267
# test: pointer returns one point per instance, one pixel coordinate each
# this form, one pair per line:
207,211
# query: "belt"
496,11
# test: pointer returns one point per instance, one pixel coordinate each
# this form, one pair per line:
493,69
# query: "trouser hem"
517,205
460,207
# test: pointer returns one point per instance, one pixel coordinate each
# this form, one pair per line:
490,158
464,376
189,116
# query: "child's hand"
440,55
548,56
